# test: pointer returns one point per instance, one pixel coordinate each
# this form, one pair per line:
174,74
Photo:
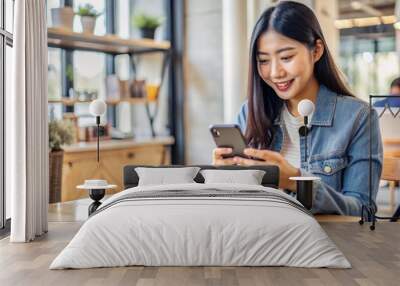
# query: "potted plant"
147,24
61,132
88,17
62,17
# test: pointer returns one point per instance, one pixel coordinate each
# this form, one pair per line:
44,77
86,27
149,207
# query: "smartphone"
229,136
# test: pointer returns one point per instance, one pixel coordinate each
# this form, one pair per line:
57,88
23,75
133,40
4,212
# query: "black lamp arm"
98,138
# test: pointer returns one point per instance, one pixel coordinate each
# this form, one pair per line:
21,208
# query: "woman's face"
285,64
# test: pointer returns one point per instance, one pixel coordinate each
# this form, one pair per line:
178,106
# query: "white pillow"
163,176
248,177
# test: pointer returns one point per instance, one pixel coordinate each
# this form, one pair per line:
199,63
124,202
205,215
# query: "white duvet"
200,231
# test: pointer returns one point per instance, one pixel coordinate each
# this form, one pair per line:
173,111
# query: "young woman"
289,62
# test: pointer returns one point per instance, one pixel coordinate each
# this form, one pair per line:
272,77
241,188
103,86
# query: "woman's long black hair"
298,22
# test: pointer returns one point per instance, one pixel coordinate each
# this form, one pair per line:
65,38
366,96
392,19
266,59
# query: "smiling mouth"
284,85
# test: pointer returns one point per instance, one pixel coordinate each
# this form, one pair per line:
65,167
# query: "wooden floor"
374,255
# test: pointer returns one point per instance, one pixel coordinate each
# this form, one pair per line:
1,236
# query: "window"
89,77
148,67
9,15
73,72
6,42
54,82
89,68
369,62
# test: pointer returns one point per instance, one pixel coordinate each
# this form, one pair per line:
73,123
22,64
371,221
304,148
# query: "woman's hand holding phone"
286,170
230,135
220,159
264,157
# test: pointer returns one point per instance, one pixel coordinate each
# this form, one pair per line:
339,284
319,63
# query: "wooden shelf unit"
114,45
110,44
71,102
128,100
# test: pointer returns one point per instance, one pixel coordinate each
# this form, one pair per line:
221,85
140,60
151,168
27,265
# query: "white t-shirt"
291,142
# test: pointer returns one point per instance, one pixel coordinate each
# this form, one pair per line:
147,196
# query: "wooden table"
77,211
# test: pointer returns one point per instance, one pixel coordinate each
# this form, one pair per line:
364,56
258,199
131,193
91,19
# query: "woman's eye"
263,61
288,58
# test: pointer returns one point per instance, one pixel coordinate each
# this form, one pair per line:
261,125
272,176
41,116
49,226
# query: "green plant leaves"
147,21
87,10
60,132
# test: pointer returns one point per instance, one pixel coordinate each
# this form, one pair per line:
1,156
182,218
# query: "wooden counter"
80,162
118,144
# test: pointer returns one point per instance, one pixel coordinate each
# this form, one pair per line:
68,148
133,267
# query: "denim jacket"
337,152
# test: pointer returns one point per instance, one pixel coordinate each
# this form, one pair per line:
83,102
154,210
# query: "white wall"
235,56
327,12
203,77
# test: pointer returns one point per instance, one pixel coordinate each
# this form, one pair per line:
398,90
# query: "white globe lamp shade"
305,107
97,107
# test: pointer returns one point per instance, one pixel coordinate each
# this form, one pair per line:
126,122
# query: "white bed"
184,230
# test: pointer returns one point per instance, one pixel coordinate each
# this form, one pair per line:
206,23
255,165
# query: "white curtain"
26,117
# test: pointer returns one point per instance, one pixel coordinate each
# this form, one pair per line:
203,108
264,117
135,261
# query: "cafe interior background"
163,93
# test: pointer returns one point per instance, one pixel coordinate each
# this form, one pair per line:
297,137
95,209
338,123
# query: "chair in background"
391,173
391,144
